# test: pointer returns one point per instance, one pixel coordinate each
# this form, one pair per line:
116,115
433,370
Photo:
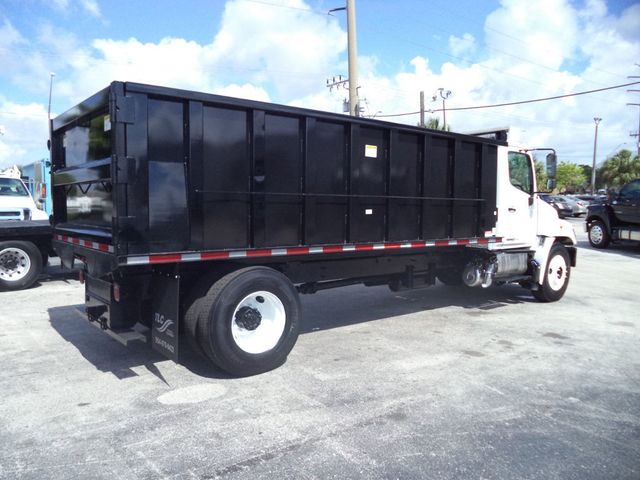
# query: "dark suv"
618,219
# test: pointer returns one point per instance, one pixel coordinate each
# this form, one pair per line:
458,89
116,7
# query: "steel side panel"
204,173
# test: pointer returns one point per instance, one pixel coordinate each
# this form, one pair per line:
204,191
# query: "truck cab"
618,219
16,203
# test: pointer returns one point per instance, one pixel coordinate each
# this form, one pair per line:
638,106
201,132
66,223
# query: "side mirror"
552,162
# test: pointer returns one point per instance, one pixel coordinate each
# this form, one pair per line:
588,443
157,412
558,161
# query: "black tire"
20,264
556,275
226,334
599,235
193,311
192,314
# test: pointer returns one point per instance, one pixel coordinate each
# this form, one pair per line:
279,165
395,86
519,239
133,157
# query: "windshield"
12,187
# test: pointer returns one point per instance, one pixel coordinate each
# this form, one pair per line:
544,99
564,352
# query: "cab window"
630,191
520,172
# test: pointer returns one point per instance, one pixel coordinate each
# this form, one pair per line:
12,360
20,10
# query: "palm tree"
619,169
433,123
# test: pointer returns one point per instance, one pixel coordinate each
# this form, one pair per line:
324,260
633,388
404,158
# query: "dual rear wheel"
246,322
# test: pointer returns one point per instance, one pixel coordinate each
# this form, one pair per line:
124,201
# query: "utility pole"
637,134
595,146
422,108
352,53
354,102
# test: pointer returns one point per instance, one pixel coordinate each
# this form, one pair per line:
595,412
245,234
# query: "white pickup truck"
25,234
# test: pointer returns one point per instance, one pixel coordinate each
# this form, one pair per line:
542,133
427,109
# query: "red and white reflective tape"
102,247
292,251
273,252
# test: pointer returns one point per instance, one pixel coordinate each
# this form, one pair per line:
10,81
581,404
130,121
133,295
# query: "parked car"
579,207
591,199
557,202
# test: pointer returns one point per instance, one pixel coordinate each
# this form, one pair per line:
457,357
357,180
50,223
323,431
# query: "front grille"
11,215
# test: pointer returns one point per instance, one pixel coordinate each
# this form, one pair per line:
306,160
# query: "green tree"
541,175
570,176
586,169
433,123
619,169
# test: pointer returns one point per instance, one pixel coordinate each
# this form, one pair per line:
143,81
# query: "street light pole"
51,75
595,146
444,94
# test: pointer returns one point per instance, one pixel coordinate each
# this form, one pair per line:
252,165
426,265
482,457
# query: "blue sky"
284,50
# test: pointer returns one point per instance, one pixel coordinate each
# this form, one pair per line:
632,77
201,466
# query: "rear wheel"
192,314
20,264
555,276
598,235
249,321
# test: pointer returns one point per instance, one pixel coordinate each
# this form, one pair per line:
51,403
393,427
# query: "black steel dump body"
145,174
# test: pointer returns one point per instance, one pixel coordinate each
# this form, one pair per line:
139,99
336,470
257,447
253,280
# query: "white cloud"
25,130
462,46
528,49
11,41
247,91
284,54
291,49
91,7
65,6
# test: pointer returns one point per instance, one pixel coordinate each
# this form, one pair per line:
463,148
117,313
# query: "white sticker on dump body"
371,151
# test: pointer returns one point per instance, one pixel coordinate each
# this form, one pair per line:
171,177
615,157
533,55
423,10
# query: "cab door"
516,207
627,204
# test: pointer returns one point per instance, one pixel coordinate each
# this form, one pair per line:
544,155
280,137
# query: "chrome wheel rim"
596,234
14,264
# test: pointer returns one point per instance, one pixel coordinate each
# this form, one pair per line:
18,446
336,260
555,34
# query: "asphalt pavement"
440,383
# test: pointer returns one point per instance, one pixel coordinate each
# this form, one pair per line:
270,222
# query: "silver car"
578,207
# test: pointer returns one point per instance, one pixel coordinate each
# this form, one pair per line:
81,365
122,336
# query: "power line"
556,97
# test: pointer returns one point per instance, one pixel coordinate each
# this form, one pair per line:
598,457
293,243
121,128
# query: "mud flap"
164,322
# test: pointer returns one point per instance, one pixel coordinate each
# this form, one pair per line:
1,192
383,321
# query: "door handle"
512,210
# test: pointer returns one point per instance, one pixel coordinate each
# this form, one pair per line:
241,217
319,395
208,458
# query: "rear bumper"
98,258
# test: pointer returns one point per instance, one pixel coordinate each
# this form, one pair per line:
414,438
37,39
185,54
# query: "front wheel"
598,235
249,321
555,276
20,264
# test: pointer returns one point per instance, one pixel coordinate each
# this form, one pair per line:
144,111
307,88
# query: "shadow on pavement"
108,355
359,304
629,249
321,311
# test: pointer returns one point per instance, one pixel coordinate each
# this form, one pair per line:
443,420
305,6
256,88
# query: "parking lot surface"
440,383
